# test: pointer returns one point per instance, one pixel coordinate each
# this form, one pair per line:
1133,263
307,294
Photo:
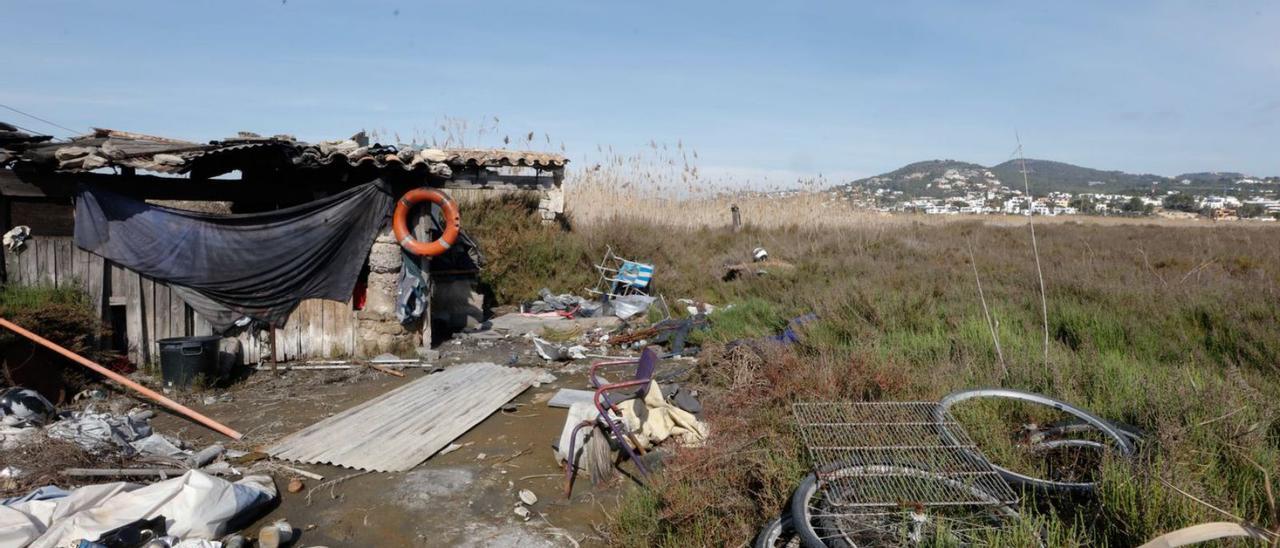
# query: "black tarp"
259,265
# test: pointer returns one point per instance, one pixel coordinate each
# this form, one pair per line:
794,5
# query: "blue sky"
760,89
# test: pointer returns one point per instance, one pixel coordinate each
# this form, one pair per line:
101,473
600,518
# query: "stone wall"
378,331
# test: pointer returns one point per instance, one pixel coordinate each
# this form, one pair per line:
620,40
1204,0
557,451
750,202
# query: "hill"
943,178
933,178
1049,176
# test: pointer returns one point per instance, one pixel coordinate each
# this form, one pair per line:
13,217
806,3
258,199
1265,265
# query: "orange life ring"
448,209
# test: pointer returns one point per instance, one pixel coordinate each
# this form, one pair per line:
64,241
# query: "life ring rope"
449,211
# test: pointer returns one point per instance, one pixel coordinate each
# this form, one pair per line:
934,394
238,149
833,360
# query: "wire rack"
893,454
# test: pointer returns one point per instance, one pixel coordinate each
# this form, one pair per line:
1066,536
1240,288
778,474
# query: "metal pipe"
158,397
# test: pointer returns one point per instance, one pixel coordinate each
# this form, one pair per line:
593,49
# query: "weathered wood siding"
317,329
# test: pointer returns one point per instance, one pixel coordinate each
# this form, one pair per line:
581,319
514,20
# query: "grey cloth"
259,265
411,290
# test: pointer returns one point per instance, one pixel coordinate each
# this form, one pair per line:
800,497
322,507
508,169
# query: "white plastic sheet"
195,506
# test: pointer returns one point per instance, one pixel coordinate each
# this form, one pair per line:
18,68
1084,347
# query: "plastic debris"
23,407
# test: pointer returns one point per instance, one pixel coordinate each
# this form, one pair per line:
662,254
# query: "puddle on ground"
455,499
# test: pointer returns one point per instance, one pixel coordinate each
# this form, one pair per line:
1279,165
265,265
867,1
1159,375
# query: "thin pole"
1035,249
158,397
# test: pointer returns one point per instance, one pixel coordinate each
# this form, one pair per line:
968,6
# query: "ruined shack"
40,178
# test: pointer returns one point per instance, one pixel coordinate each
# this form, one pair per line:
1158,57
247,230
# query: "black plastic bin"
183,359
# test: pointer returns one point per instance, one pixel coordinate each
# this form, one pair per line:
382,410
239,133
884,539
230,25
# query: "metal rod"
158,397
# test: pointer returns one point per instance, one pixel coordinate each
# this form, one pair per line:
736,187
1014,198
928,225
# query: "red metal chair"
604,402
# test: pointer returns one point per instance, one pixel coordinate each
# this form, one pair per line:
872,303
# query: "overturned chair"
607,426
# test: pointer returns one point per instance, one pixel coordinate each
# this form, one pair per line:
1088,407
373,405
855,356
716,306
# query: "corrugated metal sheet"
398,430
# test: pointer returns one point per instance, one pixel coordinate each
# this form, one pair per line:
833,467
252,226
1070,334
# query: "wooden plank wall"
317,329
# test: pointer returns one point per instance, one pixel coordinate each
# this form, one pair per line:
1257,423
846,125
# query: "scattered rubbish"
16,237
129,472
149,531
566,305
206,455
696,308
619,277
90,394
24,408
391,359
558,352
760,265
451,448
791,334
522,512
869,457
382,369
47,492
566,397
426,406
295,485
605,421
9,476
1120,440
195,506
97,432
544,377
518,325
626,306
683,398
342,365
527,497
1206,532
275,535
157,397
223,398
579,413
299,471
652,419
480,456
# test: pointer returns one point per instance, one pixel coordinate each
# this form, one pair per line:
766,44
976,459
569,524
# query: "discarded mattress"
259,265
195,505
398,430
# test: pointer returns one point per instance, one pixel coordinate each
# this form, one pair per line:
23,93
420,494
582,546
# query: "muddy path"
463,498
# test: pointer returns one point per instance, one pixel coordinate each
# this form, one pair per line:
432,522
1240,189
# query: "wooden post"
737,217
5,221
275,362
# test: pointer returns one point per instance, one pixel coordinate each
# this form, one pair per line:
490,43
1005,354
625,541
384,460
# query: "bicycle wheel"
1121,440
821,523
778,533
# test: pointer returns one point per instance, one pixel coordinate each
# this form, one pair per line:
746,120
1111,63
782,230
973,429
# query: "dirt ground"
463,498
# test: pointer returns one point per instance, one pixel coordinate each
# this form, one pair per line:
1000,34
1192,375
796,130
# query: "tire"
1124,440
882,527
778,533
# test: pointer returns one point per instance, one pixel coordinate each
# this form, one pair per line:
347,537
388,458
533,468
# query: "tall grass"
1181,340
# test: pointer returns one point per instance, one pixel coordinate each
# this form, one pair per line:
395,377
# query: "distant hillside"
1046,176
927,178
941,178
1211,177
